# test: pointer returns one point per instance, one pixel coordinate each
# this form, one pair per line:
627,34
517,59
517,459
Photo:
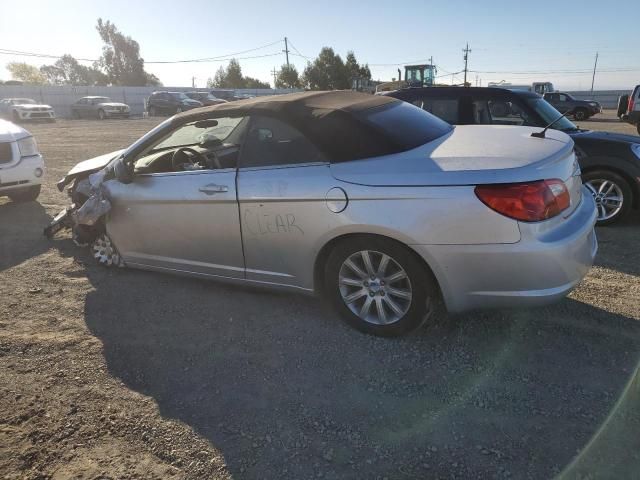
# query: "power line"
5,51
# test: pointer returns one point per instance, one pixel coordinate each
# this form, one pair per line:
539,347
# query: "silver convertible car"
373,202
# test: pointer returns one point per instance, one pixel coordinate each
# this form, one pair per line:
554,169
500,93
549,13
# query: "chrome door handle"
212,189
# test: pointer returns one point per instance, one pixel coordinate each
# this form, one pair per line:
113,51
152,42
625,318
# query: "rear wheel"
28,194
580,114
612,194
380,287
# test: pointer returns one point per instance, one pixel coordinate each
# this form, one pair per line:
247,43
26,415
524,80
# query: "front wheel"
380,287
580,114
28,194
612,194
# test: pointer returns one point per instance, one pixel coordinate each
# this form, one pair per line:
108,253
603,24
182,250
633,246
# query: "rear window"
406,125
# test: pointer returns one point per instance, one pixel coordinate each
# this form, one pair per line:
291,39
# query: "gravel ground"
129,374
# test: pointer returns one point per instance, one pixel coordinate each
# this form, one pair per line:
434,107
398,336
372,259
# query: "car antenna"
542,133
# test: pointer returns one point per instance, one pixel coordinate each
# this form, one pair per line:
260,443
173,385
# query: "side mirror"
122,172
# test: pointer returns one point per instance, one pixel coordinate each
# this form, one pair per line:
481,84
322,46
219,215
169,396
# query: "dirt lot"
128,374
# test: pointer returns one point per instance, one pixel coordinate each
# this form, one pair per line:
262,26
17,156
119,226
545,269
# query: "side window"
273,142
502,112
443,108
563,97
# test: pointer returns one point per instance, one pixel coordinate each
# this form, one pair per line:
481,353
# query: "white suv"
21,165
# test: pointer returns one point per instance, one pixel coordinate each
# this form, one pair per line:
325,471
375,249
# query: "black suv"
169,103
610,162
565,103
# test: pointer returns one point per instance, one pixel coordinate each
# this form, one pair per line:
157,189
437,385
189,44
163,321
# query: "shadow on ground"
284,390
21,226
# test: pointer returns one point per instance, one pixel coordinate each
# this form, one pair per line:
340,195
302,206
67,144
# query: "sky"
517,41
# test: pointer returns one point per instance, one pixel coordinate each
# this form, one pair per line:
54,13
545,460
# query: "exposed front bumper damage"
86,217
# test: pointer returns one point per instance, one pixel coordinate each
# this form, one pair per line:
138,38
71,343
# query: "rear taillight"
528,202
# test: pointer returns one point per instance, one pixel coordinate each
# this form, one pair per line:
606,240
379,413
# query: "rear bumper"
22,174
538,270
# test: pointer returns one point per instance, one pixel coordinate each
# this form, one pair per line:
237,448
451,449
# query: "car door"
564,103
181,221
283,185
81,107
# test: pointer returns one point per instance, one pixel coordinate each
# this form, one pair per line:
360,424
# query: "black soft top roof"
295,106
328,119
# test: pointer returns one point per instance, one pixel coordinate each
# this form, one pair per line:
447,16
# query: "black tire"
623,103
101,115
23,195
623,185
580,114
424,305
152,111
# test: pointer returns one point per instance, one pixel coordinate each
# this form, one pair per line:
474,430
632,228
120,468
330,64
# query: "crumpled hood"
10,132
468,155
92,164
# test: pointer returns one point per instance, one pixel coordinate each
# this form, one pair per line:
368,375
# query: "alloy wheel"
375,287
105,252
608,197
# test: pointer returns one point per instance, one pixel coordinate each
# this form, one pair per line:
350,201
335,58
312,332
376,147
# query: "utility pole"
466,58
476,80
193,82
275,76
594,74
286,50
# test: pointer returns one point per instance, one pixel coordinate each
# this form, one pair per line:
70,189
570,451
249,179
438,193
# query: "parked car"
169,103
610,162
21,164
22,109
565,103
99,107
228,94
385,208
629,108
205,98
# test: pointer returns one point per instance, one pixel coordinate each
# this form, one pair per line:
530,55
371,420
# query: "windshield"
23,101
549,114
191,134
101,100
179,95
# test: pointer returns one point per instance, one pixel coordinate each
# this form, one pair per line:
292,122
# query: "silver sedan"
382,207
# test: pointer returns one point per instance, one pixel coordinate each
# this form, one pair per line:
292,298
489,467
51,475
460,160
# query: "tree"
121,59
26,73
67,71
250,82
288,77
354,69
231,77
327,72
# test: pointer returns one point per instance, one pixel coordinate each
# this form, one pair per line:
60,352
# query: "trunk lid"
469,155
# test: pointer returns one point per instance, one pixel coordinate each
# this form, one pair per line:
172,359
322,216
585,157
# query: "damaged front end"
88,213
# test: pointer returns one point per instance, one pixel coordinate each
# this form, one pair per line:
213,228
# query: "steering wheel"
187,155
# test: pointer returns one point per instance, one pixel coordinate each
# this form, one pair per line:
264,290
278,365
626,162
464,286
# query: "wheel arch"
612,165
327,248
